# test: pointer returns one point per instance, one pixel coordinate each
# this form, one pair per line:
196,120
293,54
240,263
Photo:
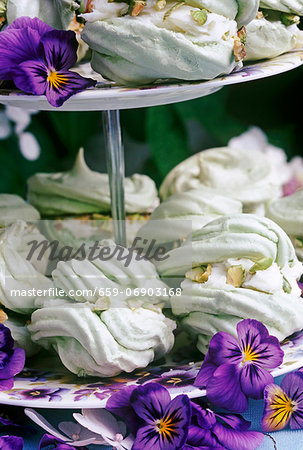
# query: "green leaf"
167,137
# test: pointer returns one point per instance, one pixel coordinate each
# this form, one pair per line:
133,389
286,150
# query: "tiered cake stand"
59,389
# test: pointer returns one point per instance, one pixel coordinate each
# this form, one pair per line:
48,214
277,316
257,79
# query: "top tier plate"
108,96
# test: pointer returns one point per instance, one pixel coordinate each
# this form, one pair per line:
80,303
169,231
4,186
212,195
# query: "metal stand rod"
116,172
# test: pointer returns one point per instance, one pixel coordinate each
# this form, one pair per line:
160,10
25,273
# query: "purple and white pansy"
237,369
37,59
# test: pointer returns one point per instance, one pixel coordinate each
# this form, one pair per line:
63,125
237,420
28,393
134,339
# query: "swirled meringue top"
110,329
247,176
104,343
184,212
19,279
236,236
83,191
289,6
13,208
288,213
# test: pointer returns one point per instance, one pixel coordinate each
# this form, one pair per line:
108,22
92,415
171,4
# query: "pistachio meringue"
267,37
13,208
240,173
288,213
83,191
236,267
191,40
56,13
19,279
109,328
184,212
288,6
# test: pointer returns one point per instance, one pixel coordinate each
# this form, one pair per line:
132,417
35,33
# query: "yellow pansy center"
283,407
56,80
249,355
165,427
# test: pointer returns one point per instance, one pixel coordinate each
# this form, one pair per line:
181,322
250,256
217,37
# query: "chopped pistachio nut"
160,4
135,7
259,15
239,45
261,264
226,35
199,274
235,276
199,16
168,12
3,316
286,286
289,19
102,304
135,303
3,7
154,307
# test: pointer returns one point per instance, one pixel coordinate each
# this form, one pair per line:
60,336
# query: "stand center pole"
116,172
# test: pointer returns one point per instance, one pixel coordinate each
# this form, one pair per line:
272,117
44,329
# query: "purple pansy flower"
235,369
283,404
11,360
38,58
162,423
11,443
301,287
220,431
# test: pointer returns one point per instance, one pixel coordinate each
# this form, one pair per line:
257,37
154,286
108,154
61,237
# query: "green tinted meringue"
184,212
289,6
288,213
106,332
269,294
13,208
101,344
235,236
247,176
18,273
269,37
56,13
83,191
159,44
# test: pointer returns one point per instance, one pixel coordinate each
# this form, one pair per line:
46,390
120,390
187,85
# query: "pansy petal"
292,384
205,418
119,404
175,423
224,389
17,46
67,84
276,412
28,22
150,401
47,441
234,421
30,77
206,372
6,385
15,365
199,437
43,423
224,349
147,438
251,332
233,439
6,340
254,379
11,443
99,421
268,353
60,49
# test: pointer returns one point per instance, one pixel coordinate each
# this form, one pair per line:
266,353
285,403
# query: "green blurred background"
156,139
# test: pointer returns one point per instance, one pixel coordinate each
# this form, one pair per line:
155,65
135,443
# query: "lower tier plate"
42,388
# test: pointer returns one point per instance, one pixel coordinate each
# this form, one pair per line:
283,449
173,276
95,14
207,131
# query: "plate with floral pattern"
107,95
43,388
